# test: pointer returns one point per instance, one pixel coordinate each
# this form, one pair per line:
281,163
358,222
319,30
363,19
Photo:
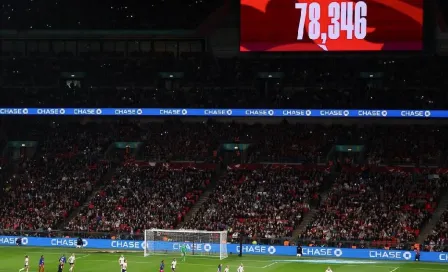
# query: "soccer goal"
194,242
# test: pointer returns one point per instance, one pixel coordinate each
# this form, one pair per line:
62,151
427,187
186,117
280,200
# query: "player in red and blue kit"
162,266
42,264
417,254
62,260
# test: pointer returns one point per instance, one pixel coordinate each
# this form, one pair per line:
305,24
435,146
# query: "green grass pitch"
94,261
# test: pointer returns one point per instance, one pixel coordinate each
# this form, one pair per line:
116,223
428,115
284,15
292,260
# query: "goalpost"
197,242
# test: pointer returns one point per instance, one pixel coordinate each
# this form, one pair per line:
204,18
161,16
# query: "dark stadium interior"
82,14
331,181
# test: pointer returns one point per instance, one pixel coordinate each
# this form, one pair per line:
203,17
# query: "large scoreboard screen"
331,25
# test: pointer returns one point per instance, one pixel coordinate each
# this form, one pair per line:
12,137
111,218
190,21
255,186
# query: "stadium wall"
204,248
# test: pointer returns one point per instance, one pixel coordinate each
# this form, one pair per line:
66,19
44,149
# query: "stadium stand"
206,82
417,145
53,178
73,149
385,207
437,240
52,188
47,191
168,195
187,141
261,203
75,152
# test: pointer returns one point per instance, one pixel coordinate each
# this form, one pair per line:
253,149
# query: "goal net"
194,242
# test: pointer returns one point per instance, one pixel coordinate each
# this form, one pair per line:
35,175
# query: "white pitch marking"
266,266
395,269
84,256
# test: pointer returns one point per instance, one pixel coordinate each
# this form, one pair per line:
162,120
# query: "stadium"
229,136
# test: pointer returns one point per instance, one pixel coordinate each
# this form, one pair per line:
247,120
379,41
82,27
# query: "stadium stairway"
107,176
314,209
205,196
442,206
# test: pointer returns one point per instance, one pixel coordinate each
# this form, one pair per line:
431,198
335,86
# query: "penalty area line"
395,269
271,264
83,256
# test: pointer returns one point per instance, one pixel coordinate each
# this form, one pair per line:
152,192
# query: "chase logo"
346,113
207,247
271,250
99,111
308,113
407,255
270,112
427,113
62,111
184,112
67,242
384,113
229,112
337,252
24,241
139,111
25,111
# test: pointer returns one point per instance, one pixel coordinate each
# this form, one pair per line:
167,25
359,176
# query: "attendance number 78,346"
343,16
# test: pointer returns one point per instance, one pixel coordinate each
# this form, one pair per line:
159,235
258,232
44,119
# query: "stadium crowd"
187,141
46,192
419,145
259,203
69,163
167,196
55,177
74,152
437,240
382,207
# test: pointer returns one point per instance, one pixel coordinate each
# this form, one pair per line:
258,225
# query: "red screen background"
271,25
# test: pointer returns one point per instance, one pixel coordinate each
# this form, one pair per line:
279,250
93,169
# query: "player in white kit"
328,270
173,265
121,261
124,266
71,262
26,265
240,268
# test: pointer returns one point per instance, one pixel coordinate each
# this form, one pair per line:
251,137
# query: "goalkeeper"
183,251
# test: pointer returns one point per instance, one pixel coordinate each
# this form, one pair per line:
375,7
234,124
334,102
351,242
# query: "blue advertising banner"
327,252
340,113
